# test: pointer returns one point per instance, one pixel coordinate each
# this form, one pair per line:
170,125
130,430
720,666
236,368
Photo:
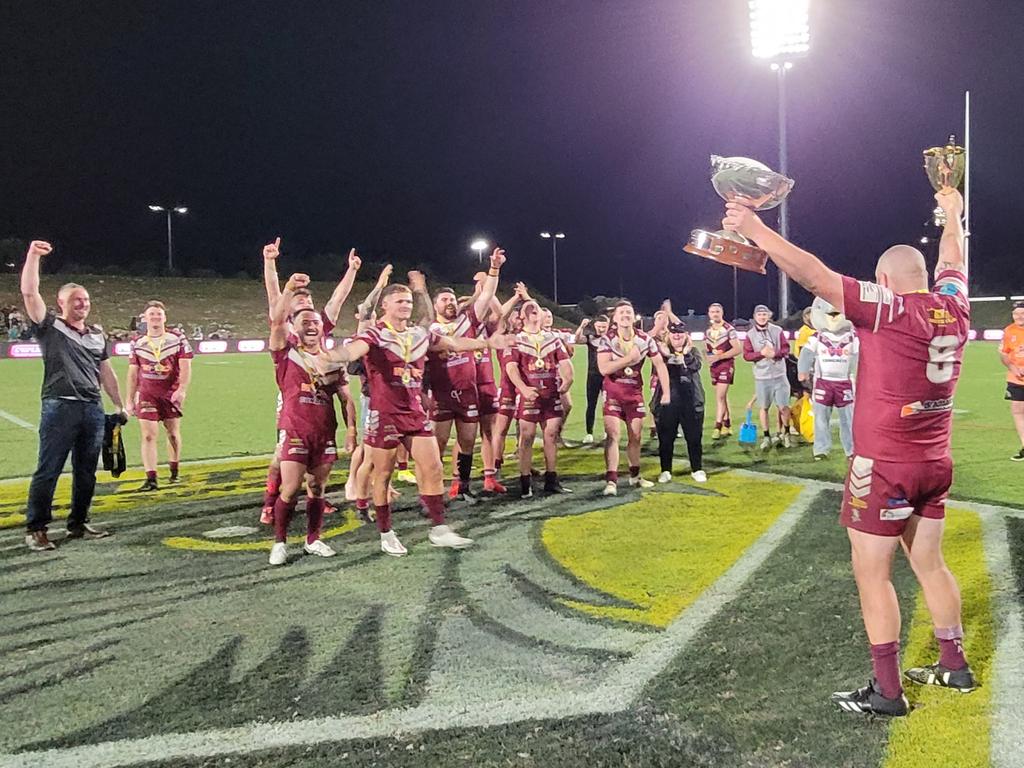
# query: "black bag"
113,447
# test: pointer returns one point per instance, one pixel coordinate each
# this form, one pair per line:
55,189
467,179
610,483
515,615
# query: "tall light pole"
554,238
780,31
181,210
479,245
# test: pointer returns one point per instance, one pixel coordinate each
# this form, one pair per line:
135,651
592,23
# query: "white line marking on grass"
192,463
16,421
614,695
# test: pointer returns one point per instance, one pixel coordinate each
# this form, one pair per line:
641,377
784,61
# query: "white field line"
615,695
16,421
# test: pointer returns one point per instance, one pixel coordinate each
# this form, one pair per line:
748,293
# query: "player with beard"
453,376
307,422
301,299
620,358
722,346
394,354
159,372
538,366
911,347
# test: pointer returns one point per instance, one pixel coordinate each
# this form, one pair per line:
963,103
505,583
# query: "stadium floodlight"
479,245
169,209
779,28
554,238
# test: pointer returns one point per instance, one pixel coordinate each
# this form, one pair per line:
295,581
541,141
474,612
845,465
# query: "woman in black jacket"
685,408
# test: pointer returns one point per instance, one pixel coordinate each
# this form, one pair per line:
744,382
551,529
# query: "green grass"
230,411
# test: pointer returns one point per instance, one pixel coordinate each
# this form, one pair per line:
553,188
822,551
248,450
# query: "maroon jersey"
537,356
454,371
158,360
484,361
911,345
718,339
628,382
307,398
394,368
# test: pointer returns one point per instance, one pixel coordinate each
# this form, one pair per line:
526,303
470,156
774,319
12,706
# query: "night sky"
407,128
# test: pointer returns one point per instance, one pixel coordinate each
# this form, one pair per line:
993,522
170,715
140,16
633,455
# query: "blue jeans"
66,426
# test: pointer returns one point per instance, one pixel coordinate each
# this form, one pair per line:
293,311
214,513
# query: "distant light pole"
479,245
554,238
780,30
180,210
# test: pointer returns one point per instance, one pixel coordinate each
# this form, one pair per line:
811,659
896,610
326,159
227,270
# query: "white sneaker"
643,483
786,441
444,536
665,477
700,476
610,489
279,553
777,440
766,443
318,548
390,545
588,440
350,491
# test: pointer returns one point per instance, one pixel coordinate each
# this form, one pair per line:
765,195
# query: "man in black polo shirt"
75,366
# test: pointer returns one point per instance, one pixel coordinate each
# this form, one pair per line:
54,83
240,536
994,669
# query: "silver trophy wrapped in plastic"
748,182
945,167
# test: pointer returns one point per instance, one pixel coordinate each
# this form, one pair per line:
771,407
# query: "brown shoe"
87,532
38,541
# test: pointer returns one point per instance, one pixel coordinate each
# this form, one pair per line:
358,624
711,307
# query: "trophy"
745,181
945,168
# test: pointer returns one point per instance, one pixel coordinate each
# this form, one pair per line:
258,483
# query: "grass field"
685,626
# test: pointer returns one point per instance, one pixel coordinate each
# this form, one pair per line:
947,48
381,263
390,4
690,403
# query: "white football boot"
318,548
444,536
390,545
279,553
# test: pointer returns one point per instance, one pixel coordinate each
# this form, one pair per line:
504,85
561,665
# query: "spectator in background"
1012,355
766,347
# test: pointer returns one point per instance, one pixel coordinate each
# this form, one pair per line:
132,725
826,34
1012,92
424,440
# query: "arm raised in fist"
35,307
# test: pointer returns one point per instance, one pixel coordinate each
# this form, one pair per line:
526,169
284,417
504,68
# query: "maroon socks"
951,647
885,660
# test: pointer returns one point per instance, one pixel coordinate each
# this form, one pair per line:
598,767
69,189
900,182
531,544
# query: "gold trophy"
753,184
945,168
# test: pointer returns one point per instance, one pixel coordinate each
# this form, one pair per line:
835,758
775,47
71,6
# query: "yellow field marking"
209,545
947,728
662,552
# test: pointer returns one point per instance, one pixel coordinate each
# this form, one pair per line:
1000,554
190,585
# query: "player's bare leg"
402,473
552,440
527,436
362,485
566,399
785,417
612,427
465,441
353,470
173,429
922,542
273,488
148,452
381,462
431,483
634,442
488,455
442,433
502,425
722,415
1017,410
293,474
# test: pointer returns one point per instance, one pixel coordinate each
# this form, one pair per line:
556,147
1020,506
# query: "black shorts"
1015,392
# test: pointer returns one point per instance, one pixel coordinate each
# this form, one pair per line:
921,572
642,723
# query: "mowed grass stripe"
662,552
756,681
948,728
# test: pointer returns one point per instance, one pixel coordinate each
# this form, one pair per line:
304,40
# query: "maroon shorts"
508,402
833,393
487,396
540,410
156,409
723,373
312,450
384,430
456,404
881,496
623,408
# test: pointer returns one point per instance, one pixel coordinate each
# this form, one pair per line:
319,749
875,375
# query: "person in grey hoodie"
766,347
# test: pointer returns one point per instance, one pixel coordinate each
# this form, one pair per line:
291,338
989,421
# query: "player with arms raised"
911,345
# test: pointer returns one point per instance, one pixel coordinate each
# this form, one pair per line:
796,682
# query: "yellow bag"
806,418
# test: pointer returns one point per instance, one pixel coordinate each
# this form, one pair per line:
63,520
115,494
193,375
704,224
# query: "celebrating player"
722,346
307,420
159,372
538,367
766,347
1011,353
394,354
620,359
453,375
911,345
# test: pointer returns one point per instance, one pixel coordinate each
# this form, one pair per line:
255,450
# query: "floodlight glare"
560,235
478,245
156,208
779,28
545,235
181,209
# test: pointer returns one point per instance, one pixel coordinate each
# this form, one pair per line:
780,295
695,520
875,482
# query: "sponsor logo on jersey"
926,406
939,316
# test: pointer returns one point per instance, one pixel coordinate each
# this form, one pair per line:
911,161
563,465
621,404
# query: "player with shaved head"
911,344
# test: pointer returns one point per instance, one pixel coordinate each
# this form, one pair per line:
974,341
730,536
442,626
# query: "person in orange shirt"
1012,355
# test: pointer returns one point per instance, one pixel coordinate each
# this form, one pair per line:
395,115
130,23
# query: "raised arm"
270,280
333,306
279,311
951,244
366,305
418,286
804,267
35,307
342,353
482,304
577,337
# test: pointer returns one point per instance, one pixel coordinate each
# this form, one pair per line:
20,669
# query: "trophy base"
727,248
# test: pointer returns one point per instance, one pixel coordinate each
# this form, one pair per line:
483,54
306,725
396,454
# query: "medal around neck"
945,167
750,183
